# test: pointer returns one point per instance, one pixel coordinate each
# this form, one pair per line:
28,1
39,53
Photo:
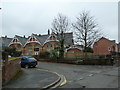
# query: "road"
85,75
32,78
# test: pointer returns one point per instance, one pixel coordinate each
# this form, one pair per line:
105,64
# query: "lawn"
10,58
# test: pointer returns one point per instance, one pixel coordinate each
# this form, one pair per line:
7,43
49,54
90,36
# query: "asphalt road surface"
32,78
85,75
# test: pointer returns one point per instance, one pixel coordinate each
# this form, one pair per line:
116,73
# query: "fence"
80,55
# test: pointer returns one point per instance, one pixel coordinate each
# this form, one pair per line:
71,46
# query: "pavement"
34,78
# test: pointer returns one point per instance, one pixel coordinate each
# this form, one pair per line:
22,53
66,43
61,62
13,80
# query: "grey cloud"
27,18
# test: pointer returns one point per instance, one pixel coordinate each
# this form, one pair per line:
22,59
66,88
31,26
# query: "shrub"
11,51
54,54
44,55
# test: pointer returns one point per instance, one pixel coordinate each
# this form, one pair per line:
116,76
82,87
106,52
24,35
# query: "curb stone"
59,82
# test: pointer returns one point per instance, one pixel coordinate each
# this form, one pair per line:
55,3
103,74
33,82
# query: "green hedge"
44,55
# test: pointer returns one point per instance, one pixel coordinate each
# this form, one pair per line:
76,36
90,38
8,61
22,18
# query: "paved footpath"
33,78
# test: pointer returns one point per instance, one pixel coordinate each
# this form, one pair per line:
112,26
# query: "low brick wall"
10,69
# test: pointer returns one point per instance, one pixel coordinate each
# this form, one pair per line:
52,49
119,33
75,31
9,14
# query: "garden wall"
10,69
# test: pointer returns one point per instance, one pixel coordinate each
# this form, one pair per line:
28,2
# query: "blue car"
28,61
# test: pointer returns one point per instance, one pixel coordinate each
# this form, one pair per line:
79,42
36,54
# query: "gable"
104,40
52,37
32,39
15,40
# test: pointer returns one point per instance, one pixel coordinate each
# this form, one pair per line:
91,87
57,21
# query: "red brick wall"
10,69
41,48
74,50
54,43
26,52
103,45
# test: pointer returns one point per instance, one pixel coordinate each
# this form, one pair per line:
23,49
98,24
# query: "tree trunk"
62,46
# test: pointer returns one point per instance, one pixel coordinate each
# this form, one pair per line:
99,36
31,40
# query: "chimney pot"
5,36
48,32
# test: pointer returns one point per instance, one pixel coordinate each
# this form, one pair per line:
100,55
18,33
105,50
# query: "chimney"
48,32
5,36
24,36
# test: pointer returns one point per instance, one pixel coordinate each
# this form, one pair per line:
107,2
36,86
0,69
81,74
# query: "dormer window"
15,40
52,38
109,49
32,39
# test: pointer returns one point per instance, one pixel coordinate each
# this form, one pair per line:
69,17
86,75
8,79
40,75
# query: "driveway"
85,75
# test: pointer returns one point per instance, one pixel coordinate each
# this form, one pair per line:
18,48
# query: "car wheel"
26,66
34,66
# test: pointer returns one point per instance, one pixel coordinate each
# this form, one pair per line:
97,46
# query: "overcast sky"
25,18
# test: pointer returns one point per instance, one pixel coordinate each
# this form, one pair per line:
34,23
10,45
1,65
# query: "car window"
23,59
32,59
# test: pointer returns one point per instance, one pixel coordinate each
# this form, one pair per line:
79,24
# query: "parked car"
77,61
28,61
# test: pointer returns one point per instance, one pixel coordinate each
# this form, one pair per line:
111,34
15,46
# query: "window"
30,46
30,52
32,39
49,45
109,49
52,38
36,49
15,40
36,53
71,52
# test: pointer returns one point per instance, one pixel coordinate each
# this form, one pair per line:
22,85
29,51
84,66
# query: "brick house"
5,41
75,49
18,42
34,44
105,46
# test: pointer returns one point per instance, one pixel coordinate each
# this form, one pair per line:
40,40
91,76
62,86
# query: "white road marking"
90,75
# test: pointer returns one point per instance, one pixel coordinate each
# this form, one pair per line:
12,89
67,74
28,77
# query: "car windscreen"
31,59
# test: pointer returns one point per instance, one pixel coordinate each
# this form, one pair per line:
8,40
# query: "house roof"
21,39
6,41
68,38
41,38
112,41
80,47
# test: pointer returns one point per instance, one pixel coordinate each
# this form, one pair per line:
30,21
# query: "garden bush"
44,55
10,51
54,54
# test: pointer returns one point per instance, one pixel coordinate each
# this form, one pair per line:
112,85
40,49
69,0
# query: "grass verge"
9,58
20,73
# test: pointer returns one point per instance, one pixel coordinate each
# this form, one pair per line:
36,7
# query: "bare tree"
60,25
86,30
